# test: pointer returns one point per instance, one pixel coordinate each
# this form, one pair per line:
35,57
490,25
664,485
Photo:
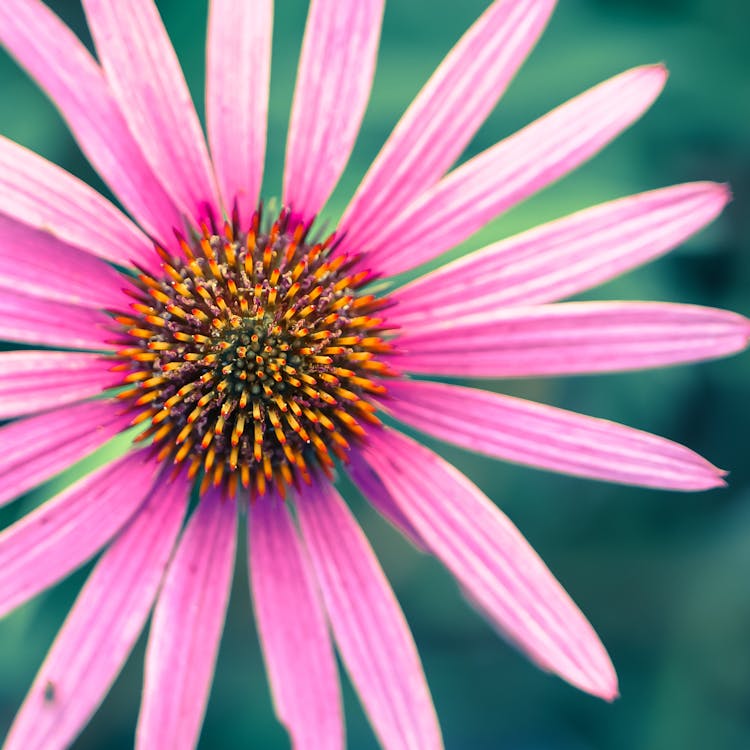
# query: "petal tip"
715,481
724,189
607,687
602,683
655,73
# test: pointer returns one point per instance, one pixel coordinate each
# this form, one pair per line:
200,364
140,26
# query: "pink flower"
252,354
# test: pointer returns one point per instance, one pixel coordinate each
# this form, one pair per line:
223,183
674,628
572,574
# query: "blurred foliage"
663,577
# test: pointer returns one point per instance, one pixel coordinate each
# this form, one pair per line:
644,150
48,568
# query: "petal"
32,381
371,632
293,631
186,628
336,69
238,77
492,562
59,536
35,263
567,256
372,488
34,191
34,320
514,169
146,79
102,627
443,118
36,449
570,338
524,432
55,58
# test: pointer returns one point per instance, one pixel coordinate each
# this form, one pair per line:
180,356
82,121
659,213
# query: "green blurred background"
663,577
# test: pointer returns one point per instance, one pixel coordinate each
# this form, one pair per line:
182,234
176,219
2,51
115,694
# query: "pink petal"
293,631
31,381
102,627
492,562
33,320
569,338
372,635
372,488
62,534
63,67
443,118
567,256
186,628
35,263
146,79
515,168
524,432
34,450
34,191
238,72
335,75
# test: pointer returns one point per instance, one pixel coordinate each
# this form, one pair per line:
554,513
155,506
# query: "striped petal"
55,58
514,169
571,338
492,562
293,631
565,257
59,536
145,77
186,628
34,191
238,52
36,449
32,381
35,263
543,436
36,321
336,69
102,627
372,488
443,118
372,635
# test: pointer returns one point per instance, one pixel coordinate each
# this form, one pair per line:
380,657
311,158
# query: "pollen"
253,357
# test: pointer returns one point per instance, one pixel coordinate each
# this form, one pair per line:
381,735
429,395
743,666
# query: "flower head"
252,354
248,356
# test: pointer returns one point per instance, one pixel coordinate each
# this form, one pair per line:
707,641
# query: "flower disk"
253,357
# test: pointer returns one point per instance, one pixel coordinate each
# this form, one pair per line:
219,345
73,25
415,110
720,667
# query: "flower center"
253,357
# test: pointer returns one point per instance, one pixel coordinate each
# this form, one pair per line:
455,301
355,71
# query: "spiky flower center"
253,357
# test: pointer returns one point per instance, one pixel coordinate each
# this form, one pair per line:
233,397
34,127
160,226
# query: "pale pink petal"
34,262
336,69
570,338
63,67
31,381
62,534
33,320
566,256
186,628
492,562
145,76
543,436
102,627
443,118
515,168
372,488
238,73
293,631
36,449
36,192
371,632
